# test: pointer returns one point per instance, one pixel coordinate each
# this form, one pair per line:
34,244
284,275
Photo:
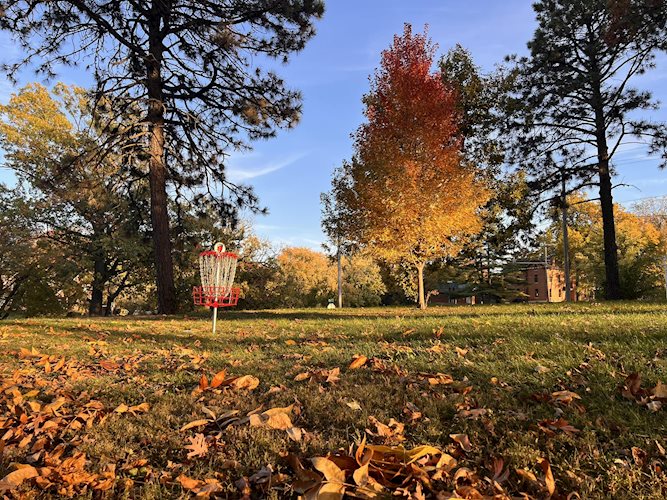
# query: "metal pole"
340,279
215,290
566,242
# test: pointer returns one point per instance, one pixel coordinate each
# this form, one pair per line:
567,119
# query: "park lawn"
83,425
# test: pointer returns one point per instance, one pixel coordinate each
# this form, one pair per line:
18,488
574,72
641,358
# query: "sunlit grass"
513,352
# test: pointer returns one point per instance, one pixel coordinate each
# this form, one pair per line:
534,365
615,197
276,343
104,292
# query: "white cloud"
236,172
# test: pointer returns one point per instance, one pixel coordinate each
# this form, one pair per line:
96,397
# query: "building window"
537,292
536,278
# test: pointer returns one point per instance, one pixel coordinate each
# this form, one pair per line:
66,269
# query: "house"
540,282
453,293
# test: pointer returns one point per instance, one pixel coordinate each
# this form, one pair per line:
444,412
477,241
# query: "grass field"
530,394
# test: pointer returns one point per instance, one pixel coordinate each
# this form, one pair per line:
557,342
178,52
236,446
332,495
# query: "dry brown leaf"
307,480
275,418
189,483
334,487
198,446
218,379
195,423
122,408
548,476
558,424
461,352
660,391
463,441
245,382
15,479
358,362
528,476
295,433
353,405
473,414
564,397
140,408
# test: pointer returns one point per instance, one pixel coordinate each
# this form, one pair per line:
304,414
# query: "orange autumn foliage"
410,197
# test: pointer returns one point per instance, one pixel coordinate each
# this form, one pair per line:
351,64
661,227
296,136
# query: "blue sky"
290,171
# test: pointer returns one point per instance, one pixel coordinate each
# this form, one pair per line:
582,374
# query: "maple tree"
408,194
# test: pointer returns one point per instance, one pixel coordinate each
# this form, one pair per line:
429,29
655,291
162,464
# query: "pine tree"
577,107
192,67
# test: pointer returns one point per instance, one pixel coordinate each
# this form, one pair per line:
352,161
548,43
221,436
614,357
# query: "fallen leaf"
660,391
218,379
140,408
358,362
196,423
275,418
463,441
354,405
15,479
548,476
295,433
198,446
333,488
247,382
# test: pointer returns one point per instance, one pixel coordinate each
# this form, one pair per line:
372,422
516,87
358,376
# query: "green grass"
513,353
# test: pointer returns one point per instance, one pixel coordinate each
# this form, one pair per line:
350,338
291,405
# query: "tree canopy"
193,68
408,194
575,102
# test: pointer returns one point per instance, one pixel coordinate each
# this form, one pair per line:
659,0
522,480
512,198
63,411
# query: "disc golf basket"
217,269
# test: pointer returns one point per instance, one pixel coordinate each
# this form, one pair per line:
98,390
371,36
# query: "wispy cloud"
297,241
236,172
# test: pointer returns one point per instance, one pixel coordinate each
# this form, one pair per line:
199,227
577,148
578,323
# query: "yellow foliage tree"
407,194
640,244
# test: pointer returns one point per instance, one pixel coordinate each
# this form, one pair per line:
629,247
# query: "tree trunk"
420,279
612,281
95,307
164,267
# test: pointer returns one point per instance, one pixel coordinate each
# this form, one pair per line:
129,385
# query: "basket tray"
215,296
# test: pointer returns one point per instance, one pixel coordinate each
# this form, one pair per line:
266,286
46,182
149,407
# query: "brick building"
541,282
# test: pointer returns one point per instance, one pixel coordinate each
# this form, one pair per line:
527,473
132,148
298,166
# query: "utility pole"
340,276
566,243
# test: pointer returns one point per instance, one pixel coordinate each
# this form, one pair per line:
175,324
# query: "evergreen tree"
191,66
576,106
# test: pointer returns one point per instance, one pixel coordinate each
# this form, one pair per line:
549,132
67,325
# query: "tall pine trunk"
612,280
164,267
420,280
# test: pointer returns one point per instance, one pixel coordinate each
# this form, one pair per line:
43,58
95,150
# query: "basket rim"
214,253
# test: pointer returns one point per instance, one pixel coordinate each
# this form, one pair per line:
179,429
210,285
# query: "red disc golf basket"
217,269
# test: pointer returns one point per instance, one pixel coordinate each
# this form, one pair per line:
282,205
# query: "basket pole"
215,290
